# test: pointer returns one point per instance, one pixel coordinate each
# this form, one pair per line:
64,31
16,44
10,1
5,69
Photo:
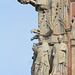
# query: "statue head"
60,38
41,39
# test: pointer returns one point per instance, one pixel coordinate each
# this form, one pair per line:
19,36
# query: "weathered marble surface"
60,57
50,53
42,62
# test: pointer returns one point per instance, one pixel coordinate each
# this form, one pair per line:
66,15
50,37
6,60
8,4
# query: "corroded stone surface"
52,22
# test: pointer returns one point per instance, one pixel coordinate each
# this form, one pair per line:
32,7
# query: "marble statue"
42,62
60,57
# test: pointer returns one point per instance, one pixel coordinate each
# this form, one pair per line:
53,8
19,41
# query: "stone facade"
51,53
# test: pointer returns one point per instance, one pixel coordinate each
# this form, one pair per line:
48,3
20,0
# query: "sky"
16,22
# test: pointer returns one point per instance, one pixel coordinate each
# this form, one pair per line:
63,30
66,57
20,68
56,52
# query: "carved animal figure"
40,4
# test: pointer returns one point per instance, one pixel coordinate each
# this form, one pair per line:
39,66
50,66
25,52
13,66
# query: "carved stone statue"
42,61
60,57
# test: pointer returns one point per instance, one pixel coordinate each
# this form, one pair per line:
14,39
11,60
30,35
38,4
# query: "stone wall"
54,20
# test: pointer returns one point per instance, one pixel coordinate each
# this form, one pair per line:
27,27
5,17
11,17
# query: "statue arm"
69,29
35,47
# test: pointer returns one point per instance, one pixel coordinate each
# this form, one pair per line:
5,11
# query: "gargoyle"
39,5
32,2
35,37
35,31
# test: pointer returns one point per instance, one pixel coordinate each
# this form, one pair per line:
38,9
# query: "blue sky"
16,21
